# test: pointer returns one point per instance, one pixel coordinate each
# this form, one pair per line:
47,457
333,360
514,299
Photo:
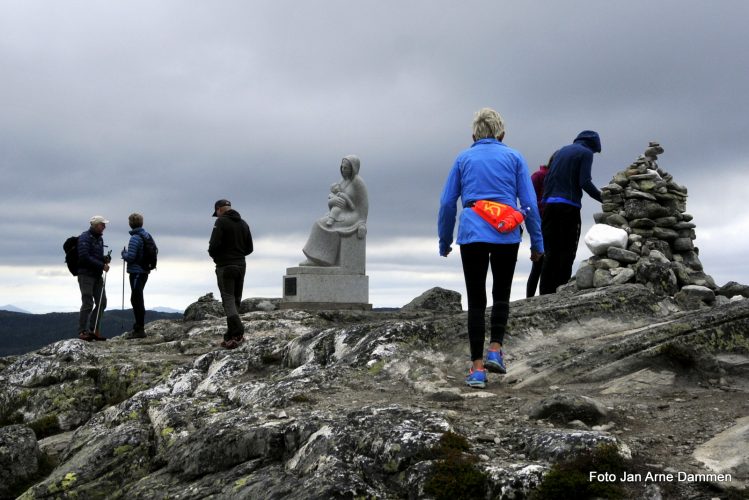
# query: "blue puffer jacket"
90,254
570,171
134,252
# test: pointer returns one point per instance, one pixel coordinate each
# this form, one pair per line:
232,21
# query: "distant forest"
21,333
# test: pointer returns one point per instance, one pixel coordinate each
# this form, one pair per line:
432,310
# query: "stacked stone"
645,201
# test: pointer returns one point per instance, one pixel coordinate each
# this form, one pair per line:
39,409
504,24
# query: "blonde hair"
135,220
487,123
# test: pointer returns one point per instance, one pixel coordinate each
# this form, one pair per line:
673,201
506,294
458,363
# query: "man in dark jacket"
569,175
138,274
91,264
230,242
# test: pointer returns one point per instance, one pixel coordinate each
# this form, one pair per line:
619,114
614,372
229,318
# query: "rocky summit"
612,381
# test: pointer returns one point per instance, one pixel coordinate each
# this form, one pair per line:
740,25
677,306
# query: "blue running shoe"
495,362
476,378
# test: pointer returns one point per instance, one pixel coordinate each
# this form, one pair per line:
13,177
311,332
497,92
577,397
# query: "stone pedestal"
312,287
344,286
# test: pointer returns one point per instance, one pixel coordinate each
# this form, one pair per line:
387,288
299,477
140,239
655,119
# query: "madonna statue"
348,207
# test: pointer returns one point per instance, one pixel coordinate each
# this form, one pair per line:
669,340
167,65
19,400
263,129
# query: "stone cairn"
644,201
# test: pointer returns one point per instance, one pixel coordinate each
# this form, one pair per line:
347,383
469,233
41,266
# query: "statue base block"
324,288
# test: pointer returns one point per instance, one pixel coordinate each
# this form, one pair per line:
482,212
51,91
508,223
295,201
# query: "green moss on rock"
45,426
571,478
455,474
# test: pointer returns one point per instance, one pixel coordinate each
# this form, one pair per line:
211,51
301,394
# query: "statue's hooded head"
352,160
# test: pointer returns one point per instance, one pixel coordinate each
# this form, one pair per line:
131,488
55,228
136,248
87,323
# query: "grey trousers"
92,288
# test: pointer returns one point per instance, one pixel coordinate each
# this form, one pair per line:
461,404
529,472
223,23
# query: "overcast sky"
162,107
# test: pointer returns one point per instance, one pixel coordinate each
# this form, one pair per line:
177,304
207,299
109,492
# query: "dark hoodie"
570,171
231,240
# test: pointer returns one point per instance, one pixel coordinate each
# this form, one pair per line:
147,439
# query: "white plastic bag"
602,236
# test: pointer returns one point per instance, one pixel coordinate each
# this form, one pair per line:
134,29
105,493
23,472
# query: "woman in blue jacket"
488,170
138,274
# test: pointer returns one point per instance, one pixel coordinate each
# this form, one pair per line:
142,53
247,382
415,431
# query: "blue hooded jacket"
570,171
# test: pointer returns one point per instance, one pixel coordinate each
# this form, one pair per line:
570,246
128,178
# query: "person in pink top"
537,178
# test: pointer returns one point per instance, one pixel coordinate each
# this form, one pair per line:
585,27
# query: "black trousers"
561,231
533,277
230,284
476,258
137,284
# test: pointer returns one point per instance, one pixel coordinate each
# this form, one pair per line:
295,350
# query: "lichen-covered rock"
657,276
622,275
559,444
733,289
694,296
206,307
584,276
564,408
436,299
259,304
19,458
356,403
622,255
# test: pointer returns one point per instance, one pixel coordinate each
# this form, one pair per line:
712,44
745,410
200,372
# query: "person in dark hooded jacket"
569,175
230,242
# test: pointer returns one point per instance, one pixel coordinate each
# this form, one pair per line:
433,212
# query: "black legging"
561,231
137,283
476,258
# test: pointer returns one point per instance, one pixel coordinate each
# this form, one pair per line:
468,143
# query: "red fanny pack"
501,217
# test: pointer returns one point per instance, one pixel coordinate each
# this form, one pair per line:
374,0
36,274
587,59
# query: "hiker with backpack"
140,255
92,266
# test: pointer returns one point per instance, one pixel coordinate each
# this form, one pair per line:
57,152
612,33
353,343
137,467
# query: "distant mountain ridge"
24,332
12,308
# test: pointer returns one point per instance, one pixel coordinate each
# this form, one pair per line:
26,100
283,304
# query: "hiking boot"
85,335
136,334
230,344
476,378
495,362
97,335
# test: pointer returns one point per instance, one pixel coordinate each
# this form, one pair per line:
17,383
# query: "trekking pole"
99,312
122,320
123,280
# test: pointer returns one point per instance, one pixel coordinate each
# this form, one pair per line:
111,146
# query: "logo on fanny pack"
501,217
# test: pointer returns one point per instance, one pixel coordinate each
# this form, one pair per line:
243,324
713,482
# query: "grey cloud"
163,107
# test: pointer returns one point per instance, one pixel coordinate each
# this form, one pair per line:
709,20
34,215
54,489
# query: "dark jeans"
561,231
476,258
92,292
533,277
230,284
137,284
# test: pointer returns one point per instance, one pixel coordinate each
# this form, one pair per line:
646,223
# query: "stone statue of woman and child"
333,273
